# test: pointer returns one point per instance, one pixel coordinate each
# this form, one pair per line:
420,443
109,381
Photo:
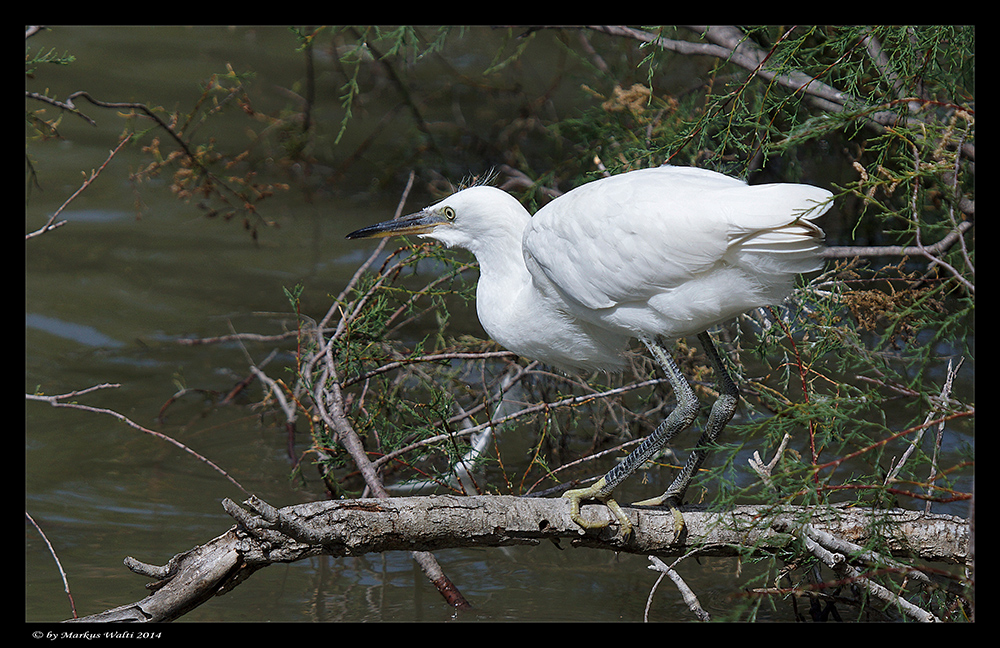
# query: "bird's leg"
722,413
679,419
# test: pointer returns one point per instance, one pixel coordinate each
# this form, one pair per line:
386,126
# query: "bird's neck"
504,286
498,248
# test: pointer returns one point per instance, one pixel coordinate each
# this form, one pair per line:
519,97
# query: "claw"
672,504
577,496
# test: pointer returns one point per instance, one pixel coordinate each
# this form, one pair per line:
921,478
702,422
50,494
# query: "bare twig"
57,401
764,470
848,251
143,108
51,224
935,409
59,104
62,572
686,593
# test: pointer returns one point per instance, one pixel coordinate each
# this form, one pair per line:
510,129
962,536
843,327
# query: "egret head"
469,219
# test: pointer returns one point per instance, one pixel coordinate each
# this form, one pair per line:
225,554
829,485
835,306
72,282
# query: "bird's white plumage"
670,251
673,250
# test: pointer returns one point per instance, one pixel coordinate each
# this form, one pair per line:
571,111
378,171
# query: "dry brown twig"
58,400
51,224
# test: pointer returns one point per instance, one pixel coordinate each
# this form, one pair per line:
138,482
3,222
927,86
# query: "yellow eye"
449,213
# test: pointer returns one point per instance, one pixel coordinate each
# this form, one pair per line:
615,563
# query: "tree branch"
849,251
266,535
51,224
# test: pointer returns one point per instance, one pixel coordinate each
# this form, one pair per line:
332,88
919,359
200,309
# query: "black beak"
420,223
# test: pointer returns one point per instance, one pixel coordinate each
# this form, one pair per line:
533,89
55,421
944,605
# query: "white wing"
637,236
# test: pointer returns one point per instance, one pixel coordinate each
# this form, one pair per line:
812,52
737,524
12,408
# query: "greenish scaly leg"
722,413
679,419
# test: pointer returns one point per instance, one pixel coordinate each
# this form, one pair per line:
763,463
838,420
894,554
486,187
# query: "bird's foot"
670,502
577,496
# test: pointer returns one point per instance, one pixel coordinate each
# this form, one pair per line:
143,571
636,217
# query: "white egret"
654,254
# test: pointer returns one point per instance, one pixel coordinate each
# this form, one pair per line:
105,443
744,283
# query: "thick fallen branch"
354,527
